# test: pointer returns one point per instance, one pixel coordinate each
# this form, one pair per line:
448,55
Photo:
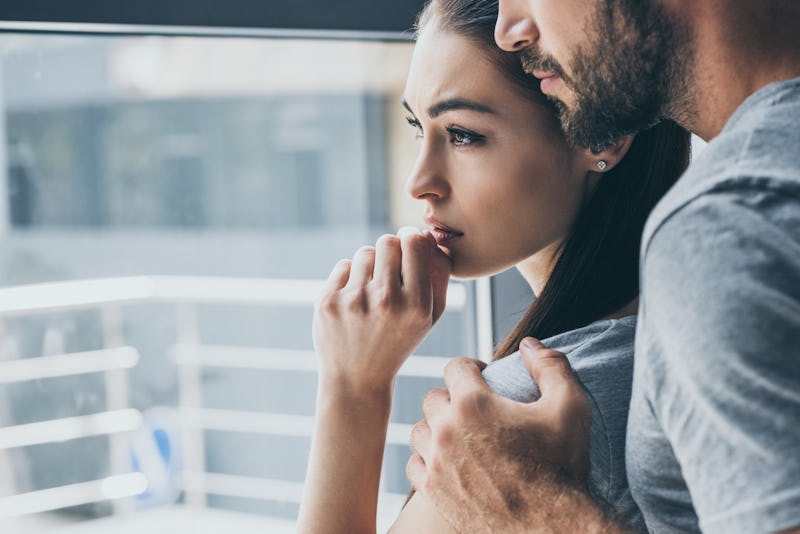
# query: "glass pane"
168,209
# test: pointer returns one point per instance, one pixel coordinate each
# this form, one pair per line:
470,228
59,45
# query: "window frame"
354,19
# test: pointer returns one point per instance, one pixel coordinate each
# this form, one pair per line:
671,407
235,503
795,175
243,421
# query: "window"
169,205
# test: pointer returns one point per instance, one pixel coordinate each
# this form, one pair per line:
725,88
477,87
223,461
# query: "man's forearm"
549,507
541,505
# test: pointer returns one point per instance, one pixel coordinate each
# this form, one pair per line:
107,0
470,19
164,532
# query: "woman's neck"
536,269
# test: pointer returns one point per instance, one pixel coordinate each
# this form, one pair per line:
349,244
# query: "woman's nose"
515,29
427,180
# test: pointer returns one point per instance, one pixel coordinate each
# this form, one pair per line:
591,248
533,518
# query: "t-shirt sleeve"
722,315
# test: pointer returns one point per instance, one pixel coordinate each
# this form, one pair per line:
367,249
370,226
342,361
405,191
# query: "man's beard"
624,81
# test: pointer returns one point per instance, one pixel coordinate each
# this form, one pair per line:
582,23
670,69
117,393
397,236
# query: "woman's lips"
442,233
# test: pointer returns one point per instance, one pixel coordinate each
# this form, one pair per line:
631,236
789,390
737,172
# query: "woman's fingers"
416,250
409,265
362,267
440,268
388,258
338,277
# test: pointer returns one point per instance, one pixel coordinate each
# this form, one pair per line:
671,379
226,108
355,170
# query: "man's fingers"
362,267
416,472
388,260
462,376
563,404
549,368
338,277
420,439
435,403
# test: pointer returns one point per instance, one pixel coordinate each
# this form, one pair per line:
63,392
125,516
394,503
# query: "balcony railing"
191,357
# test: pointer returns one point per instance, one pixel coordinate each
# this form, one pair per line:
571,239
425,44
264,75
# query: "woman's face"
501,185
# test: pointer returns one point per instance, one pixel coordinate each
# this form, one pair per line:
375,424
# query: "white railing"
191,357
117,420
70,295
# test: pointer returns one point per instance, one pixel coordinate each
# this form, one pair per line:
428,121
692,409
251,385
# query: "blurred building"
226,157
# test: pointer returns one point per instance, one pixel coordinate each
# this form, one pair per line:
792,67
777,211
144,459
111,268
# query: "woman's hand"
376,309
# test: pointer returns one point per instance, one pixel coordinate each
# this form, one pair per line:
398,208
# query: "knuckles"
388,241
551,357
418,432
471,405
386,298
443,436
429,399
328,304
365,251
355,300
416,243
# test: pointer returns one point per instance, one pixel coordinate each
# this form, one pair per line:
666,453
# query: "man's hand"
490,464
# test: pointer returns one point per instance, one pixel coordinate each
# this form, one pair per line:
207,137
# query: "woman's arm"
341,490
374,312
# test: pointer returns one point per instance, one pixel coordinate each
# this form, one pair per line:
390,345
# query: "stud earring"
602,165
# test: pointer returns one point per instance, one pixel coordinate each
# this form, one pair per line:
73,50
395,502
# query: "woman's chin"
465,271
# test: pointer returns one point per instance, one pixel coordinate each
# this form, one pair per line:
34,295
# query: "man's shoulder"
755,154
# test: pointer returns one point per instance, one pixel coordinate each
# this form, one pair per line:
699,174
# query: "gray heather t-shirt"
714,427
602,355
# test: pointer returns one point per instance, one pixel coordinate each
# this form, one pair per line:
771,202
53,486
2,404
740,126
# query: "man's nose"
515,28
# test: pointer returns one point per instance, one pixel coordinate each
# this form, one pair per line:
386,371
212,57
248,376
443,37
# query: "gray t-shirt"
714,427
602,356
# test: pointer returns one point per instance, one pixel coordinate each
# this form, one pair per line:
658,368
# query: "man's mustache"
533,60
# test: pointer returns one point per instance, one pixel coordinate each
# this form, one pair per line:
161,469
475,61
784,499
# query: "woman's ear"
609,157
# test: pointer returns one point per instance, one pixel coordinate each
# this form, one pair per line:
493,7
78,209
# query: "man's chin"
583,131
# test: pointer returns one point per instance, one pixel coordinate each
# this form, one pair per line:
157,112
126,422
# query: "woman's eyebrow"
450,105
457,104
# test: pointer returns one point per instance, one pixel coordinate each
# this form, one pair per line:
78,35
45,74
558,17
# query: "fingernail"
531,343
407,230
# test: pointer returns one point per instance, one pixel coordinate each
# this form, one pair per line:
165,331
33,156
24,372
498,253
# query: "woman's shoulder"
608,342
602,355
603,347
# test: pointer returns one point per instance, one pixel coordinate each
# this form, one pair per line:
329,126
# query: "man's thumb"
549,368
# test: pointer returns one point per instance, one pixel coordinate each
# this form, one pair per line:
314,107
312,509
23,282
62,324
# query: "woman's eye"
461,137
416,124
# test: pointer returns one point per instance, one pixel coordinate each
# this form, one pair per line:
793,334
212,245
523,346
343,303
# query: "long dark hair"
596,272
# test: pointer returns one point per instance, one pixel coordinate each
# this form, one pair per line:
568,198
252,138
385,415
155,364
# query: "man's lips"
441,232
547,80
542,75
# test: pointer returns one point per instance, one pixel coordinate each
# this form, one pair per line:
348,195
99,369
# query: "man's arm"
721,335
490,464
